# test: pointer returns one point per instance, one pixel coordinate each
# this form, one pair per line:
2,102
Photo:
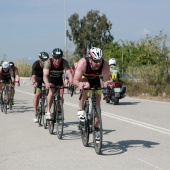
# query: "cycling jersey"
37,70
5,76
93,76
56,74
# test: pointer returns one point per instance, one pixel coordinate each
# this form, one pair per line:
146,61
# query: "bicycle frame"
89,125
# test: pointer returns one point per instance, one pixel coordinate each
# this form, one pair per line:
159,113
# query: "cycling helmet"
57,53
95,53
43,56
112,61
11,64
5,66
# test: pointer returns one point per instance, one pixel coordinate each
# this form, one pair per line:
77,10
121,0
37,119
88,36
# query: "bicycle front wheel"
4,100
60,120
97,131
85,128
44,110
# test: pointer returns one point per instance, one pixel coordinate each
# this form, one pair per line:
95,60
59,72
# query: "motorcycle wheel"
115,101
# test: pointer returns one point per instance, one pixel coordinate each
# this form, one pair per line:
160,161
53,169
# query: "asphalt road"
136,136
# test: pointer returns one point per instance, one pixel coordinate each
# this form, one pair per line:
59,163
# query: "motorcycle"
115,93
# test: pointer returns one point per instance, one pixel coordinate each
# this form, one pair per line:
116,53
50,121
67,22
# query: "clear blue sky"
28,27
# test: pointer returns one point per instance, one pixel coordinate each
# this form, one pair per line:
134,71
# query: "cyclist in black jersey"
87,74
6,75
16,77
37,79
53,76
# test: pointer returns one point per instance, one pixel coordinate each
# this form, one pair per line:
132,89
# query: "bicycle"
89,125
41,110
4,96
58,112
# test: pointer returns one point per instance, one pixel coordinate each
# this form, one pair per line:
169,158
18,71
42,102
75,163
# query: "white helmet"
5,66
95,53
112,61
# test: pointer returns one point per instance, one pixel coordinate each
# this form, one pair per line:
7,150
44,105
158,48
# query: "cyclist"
7,75
37,80
16,77
53,76
87,74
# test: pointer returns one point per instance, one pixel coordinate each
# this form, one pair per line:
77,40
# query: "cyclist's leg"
51,92
36,101
37,93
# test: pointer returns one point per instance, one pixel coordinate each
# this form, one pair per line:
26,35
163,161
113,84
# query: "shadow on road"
120,147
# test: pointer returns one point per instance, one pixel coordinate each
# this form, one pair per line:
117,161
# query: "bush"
24,69
167,90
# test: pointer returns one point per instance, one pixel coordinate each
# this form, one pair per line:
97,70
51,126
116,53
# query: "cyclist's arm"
33,78
80,69
46,72
106,74
16,74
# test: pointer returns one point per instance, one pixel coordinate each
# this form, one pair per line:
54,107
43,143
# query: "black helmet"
43,56
11,64
57,53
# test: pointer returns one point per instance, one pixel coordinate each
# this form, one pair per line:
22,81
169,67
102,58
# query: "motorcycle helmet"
112,61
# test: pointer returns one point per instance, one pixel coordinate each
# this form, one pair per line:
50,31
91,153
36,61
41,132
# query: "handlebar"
91,88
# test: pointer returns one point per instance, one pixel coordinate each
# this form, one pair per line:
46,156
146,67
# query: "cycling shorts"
94,82
57,82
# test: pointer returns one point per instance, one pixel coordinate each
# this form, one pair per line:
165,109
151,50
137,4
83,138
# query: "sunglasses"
97,61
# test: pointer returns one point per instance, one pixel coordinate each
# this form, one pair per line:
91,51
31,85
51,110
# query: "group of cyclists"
9,74
50,71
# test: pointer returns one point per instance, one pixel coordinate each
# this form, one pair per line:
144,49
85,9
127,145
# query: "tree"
91,30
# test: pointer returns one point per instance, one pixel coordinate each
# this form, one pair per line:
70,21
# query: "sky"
29,27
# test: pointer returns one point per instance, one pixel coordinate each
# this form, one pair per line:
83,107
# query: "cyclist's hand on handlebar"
83,85
35,84
109,84
17,82
47,85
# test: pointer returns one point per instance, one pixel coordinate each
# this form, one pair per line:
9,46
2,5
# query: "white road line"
152,101
121,118
149,163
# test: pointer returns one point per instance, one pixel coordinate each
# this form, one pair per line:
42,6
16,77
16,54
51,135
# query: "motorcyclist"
115,76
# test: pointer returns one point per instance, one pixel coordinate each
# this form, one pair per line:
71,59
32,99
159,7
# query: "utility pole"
65,23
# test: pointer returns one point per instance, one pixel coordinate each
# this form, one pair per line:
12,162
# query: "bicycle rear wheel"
60,120
85,128
97,132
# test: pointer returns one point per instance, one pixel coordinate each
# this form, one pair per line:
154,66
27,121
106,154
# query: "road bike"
91,112
6,92
58,112
42,108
